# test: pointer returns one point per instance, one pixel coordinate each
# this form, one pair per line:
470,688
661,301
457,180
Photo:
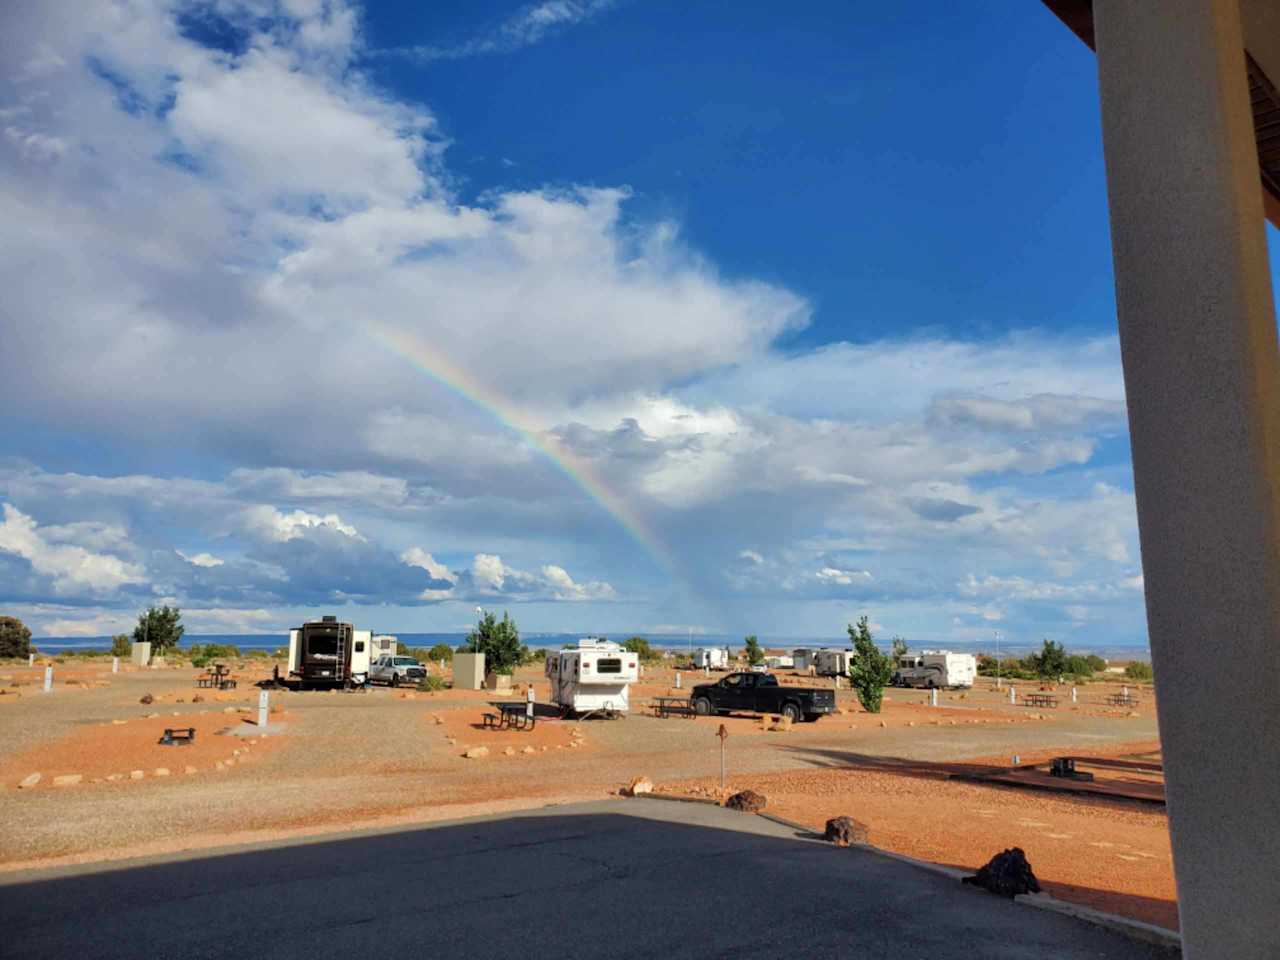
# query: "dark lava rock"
1007,874
845,830
748,801
146,698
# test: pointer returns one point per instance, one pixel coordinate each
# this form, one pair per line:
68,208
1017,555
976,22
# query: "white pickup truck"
394,671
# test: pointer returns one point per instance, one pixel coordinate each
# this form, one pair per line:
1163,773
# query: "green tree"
639,646
1051,661
898,648
754,653
441,651
870,669
162,628
15,638
1139,670
499,641
121,645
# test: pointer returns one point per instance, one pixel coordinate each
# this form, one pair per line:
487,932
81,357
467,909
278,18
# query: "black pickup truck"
761,693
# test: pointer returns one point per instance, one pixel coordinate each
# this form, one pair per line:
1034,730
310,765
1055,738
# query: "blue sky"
819,304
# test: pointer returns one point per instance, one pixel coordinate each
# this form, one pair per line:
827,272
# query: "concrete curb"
1133,929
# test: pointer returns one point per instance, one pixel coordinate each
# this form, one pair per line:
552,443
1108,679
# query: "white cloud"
843,577
528,25
270,523
200,559
72,569
751,556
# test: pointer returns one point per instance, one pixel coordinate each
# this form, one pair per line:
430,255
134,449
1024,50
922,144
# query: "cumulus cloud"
70,568
270,523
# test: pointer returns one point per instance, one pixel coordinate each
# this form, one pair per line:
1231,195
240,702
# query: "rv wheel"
702,707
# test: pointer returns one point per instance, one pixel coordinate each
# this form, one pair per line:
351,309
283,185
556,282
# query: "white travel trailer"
384,643
832,663
717,658
592,677
802,659
325,652
935,668
780,662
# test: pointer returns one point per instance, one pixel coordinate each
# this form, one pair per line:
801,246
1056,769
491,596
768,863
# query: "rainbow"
576,470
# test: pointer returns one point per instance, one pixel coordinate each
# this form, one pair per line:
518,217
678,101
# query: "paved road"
616,879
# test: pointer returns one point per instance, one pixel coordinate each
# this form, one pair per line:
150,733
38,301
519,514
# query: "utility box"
468,671
140,653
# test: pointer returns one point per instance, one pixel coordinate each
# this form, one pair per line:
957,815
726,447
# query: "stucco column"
1198,341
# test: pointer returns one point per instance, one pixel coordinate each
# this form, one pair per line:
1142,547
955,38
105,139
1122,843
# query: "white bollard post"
115,664
48,679
1013,694
677,679
933,697
262,709
1124,691
31,659
1073,694
528,703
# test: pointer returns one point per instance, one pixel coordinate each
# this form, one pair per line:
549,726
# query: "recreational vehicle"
935,668
384,644
832,663
593,676
328,653
716,658
802,659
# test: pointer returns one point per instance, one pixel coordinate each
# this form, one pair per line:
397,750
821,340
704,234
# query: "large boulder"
638,787
843,831
1007,874
748,801
476,753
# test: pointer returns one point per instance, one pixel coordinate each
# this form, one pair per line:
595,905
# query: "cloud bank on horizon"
208,209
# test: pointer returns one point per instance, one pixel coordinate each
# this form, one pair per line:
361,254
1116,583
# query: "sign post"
528,703
262,709
48,679
723,734
1013,694
933,697
677,679
31,659
115,664
1073,694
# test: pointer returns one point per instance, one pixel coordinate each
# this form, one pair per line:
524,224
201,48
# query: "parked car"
396,670
761,693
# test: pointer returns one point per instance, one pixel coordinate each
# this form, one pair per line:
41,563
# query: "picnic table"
664,707
218,677
1040,700
513,715
1122,700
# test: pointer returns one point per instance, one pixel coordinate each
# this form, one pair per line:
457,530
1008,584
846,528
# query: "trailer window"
359,646
609,665
322,645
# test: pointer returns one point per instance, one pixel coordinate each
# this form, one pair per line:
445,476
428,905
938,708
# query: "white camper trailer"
593,676
325,652
384,644
832,663
716,658
802,659
935,668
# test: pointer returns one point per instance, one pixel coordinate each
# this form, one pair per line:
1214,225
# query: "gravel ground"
388,757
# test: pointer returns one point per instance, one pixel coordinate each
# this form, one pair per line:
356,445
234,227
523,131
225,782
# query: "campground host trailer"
592,677
327,653
832,663
935,668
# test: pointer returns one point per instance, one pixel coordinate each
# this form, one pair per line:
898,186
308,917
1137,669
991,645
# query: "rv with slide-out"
327,653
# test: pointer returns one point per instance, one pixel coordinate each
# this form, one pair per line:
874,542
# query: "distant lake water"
270,641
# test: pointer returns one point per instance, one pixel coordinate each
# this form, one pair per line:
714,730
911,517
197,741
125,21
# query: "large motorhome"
715,658
592,677
935,668
327,653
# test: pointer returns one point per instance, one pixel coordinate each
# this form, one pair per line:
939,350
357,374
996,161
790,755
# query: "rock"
476,753
30,780
235,753
119,723
113,777
136,775
219,765
575,743
197,699
189,769
230,761
437,719
1133,713
150,716
884,723
510,751
528,750
1007,874
161,771
68,779
229,710
146,698
748,801
638,787
911,723
843,831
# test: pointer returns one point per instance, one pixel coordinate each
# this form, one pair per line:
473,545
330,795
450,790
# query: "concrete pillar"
677,679
48,679
31,659
1073,694
115,664
263,712
1013,694
1198,342
933,698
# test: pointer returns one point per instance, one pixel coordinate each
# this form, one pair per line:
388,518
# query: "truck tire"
791,711
395,680
702,707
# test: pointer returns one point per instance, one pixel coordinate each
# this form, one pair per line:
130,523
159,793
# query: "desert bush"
431,682
15,638
499,641
1139,670
121,645
754,653
441,651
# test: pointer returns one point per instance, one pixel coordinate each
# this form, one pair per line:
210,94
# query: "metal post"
723,734
262,709
48,679
528,704
933,697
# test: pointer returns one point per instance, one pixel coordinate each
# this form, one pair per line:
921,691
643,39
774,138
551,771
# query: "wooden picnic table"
217,676
1040,700
1122,700
513,715
664,707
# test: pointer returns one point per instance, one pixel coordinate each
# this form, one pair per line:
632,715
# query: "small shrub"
441,651
1138,670
121,645
431,683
